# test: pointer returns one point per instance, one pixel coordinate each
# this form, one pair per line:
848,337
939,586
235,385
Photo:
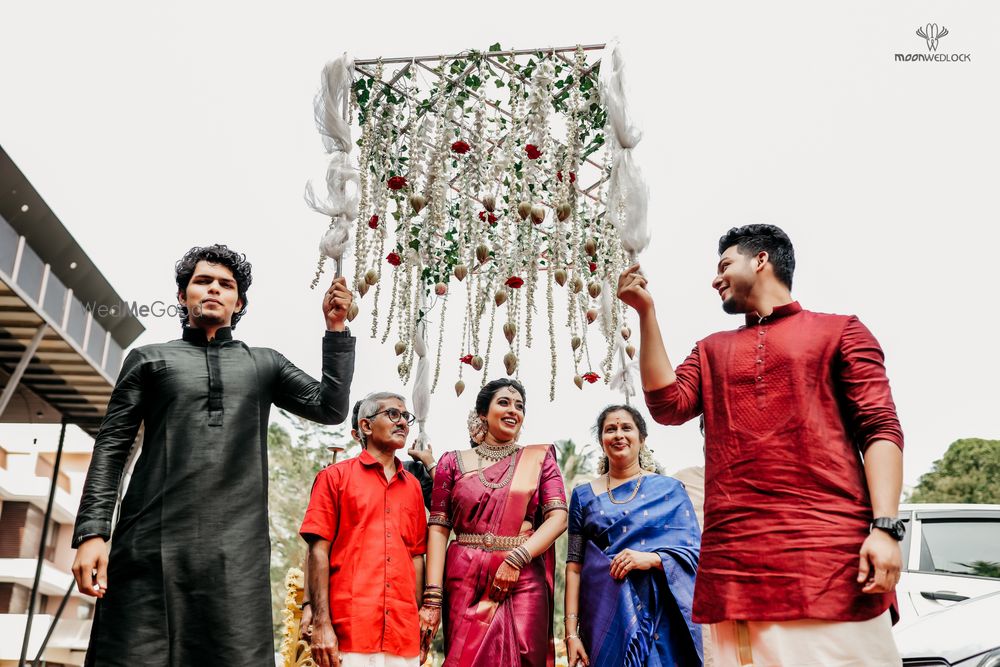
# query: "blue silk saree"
645,619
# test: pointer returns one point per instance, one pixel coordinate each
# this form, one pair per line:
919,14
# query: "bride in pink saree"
493,584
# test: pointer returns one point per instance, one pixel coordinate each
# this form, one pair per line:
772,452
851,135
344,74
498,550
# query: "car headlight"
991,659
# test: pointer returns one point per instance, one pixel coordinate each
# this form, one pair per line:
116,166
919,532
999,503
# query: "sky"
150,128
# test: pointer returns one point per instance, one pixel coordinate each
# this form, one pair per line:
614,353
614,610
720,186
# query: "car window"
967,547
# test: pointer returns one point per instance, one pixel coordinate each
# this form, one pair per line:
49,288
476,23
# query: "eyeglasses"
393,414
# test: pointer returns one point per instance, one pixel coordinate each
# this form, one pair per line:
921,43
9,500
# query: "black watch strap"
891,525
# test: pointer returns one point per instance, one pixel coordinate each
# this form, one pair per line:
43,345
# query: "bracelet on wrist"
568,637
307,603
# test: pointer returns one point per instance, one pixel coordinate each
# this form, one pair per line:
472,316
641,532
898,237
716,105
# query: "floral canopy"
500,179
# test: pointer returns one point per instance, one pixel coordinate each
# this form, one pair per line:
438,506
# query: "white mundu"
377,660
805,643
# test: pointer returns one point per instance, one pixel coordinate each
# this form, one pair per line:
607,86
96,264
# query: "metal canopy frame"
428,65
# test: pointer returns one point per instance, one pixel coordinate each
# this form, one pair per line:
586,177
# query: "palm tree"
577,465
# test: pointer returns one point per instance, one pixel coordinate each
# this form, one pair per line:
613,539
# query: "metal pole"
41,546
52,626
22,364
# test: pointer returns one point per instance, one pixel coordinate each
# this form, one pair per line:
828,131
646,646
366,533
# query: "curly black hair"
640,422
486,394
752,239
215,254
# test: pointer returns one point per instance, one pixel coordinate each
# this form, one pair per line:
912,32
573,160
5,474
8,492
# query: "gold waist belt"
491,542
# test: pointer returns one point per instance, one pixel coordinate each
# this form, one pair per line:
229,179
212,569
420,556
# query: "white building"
63,329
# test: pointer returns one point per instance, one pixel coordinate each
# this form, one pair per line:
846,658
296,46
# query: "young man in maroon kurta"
803,464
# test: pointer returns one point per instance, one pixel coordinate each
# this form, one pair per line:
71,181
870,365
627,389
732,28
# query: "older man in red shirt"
800,554
366,529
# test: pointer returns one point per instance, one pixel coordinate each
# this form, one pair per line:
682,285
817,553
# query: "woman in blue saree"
633,553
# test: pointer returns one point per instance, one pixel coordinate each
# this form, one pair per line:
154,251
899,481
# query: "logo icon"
932,33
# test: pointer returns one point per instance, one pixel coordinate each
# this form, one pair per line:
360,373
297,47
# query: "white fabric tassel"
331,102
626,376
340,199
628,194
421,383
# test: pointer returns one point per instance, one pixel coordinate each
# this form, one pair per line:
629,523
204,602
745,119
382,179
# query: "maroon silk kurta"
790,402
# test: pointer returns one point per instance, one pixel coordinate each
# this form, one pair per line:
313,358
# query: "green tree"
292,466
969,472
577,466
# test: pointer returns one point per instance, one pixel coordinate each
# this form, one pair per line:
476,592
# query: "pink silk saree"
518,631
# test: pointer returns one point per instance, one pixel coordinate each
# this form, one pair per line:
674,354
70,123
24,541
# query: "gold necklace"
495,454
638,483
504,481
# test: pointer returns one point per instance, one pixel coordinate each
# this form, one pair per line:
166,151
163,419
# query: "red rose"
514,281
532,151
394,258
460,147
373,222
593,267
397,183
467,359
591,377
482,216
492,218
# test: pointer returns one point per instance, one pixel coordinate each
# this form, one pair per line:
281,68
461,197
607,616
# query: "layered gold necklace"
485,453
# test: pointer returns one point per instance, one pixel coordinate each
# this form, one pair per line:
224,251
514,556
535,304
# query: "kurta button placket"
214,383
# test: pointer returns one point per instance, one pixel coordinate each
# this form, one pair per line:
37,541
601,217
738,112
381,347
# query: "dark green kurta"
188,573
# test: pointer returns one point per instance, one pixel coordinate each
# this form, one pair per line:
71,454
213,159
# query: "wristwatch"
895,527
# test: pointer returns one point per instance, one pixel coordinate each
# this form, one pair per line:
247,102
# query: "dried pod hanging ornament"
510,362
482,253
563,211
538,214
417,203
509,331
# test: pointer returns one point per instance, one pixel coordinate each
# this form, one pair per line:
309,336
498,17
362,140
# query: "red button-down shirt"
376,527
790,403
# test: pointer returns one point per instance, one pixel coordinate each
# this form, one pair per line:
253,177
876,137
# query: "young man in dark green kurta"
186,582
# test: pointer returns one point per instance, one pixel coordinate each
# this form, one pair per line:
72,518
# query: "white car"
966,634
951,553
